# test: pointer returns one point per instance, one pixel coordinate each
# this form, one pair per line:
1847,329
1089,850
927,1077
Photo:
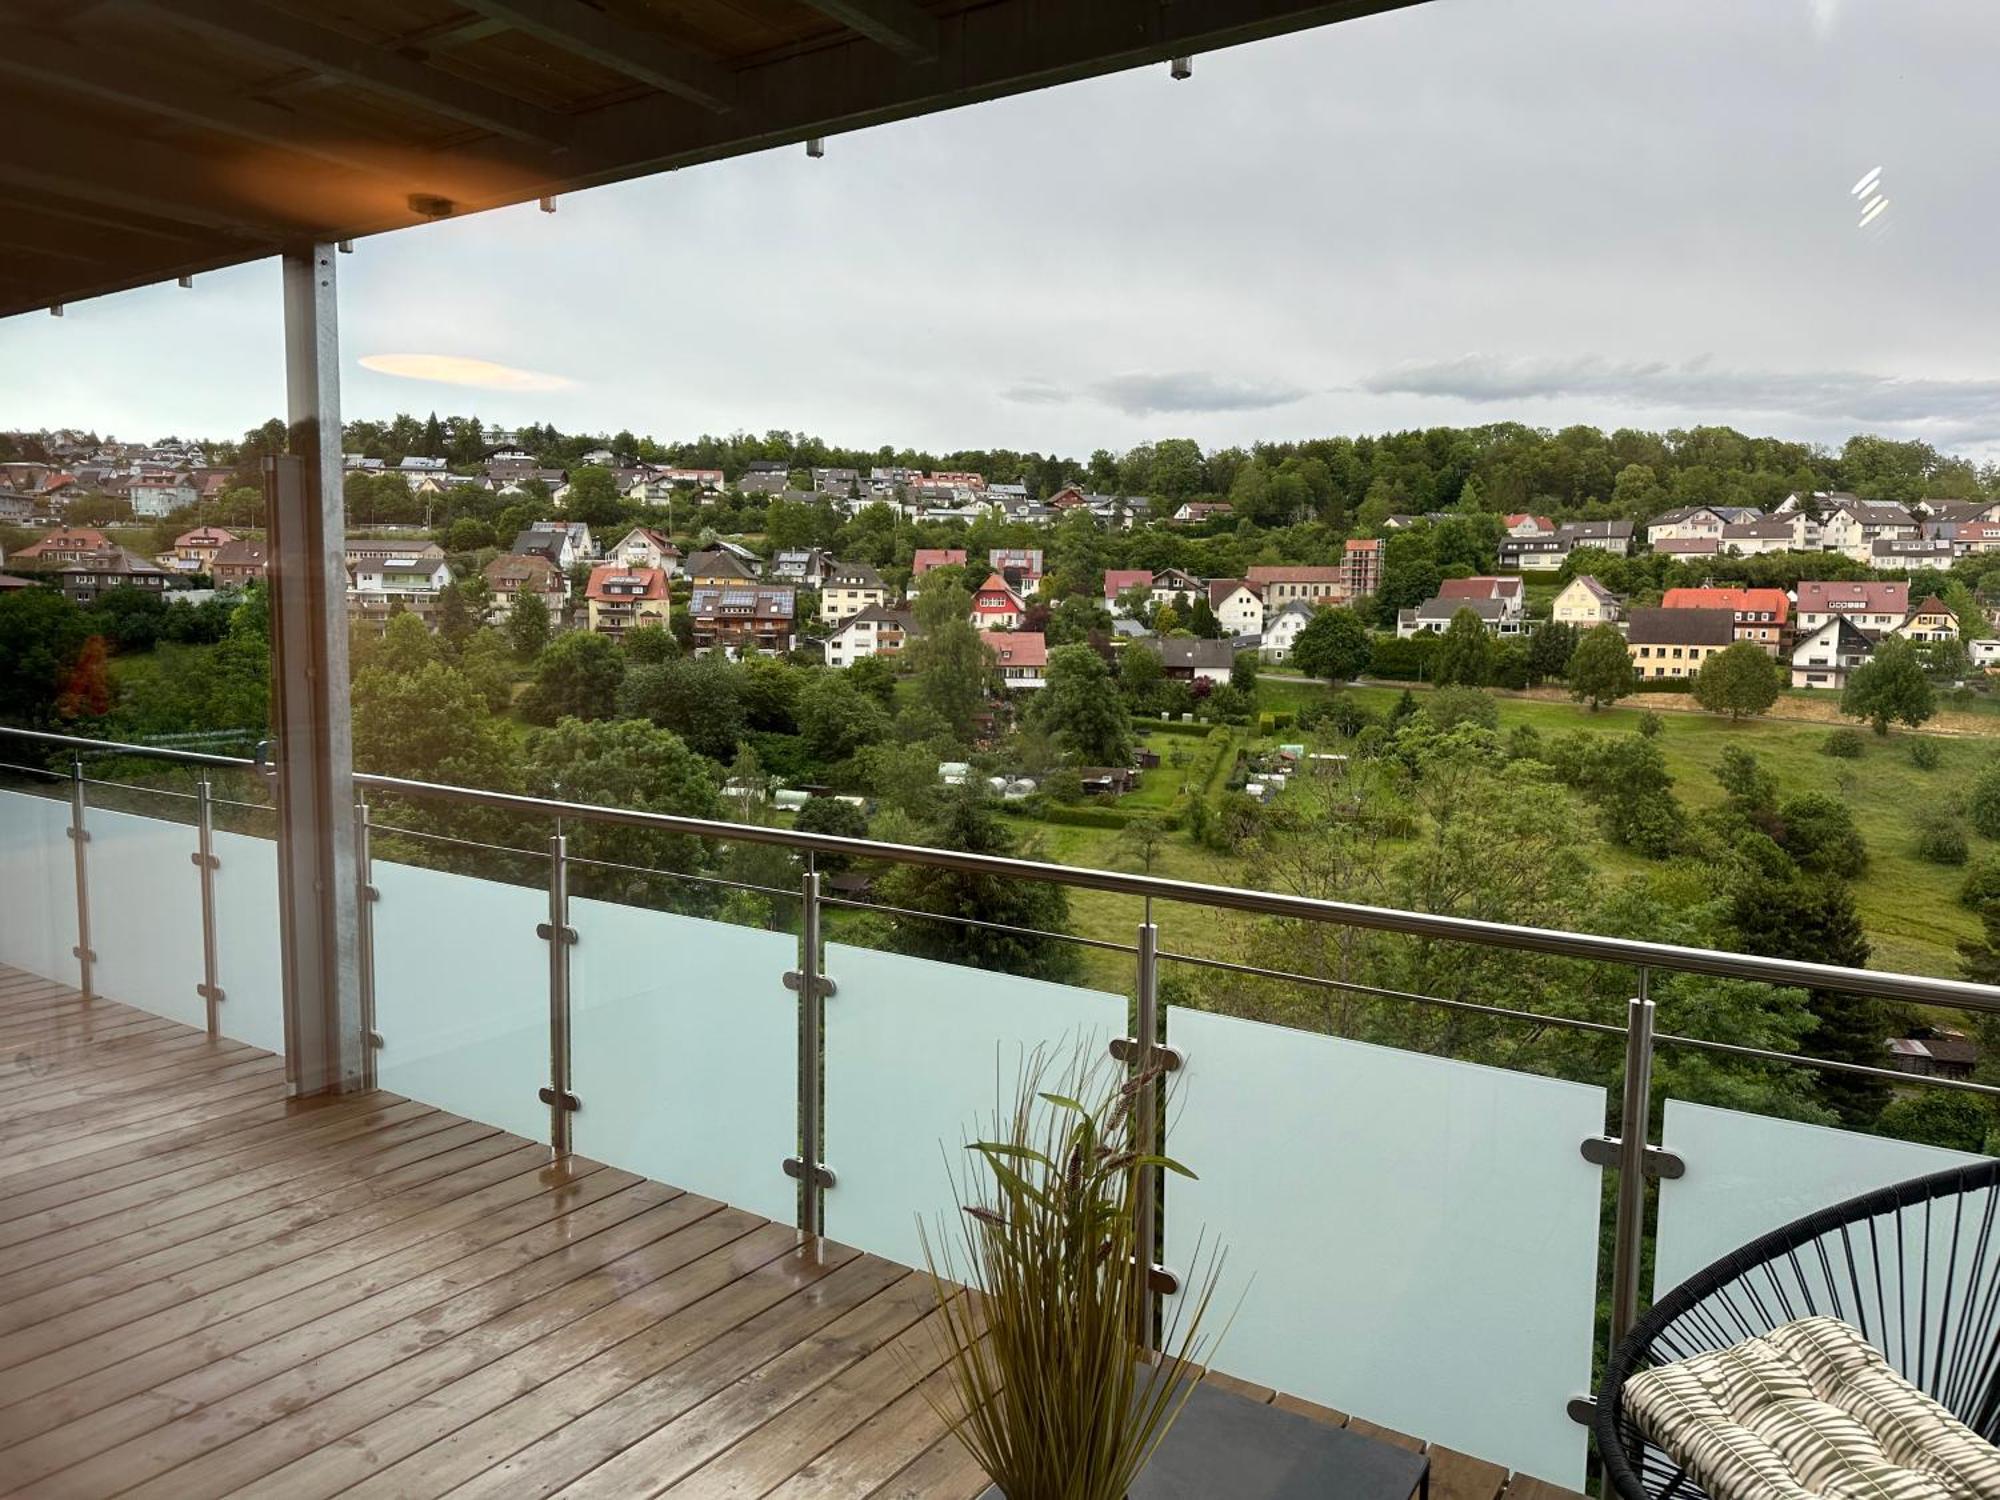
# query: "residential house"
644,547
1929,621
1586,603
1796,532
1689,546
1695,523
1763,616
1889,553
1117,581
717,569
1525,524
1614,537
155,496
764,477
700,479
997,605
1190,659
619,599
743,619
115,567
553,543
1021,657
1020,566
836,481
1281,630
1237,607
528,573
1875,607
849,589
1935,1052
803,567
238,565
742,554
385,576
1194,512
1959,511
194,551
15,508
1281,583
1509,592
1361,566
1537,552
1676,642
1824,656
1177,587
1854,527
875,631
927,558
57,549
1434,616
1972,537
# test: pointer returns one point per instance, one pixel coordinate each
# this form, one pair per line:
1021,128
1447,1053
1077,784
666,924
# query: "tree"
1600,669
1243,673
527,624
576,676
650,644
1550,646
1819,832
1015,911
593,497
1079,708
1890,687
1141,840
1464,652
837,818
836,718
699,698
1982,805
1202,621
1936,1117
875,676
952,667
86,690
41,636
1333,644
454,619
1752,790
1743,679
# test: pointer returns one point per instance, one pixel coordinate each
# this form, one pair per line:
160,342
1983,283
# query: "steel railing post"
364,937
210,988
1634,1128
810,1169
1146,1117
559,1095
79,836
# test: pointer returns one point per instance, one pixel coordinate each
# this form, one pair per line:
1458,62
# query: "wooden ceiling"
150,139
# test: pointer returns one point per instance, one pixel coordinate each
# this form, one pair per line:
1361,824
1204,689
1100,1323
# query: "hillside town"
741,595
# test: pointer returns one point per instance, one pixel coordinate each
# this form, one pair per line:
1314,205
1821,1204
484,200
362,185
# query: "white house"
155,496
1238,608
1874,607
1585,603
643,547
1854,528
1824,657
1281,630
875,631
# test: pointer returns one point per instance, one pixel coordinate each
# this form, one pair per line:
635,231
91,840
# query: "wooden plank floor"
206,1290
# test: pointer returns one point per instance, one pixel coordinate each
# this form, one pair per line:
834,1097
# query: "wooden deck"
205,1290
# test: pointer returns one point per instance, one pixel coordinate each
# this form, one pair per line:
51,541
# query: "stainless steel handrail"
1911,988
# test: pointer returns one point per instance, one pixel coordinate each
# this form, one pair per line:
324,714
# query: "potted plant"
1045,1307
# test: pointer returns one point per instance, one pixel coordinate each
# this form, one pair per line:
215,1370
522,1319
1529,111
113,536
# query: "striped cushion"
1809,1411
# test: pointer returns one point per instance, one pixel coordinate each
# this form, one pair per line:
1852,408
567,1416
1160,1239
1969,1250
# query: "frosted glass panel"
145,914
38,877
916,1054
1749,1174
249,957
1414,1239
684,1051
462,995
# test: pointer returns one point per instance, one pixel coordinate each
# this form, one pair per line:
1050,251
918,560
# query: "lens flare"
459,369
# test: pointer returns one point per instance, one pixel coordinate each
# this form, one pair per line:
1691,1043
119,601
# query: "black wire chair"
1915,1267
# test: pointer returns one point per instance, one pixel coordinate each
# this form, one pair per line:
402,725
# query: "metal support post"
561,937
365,897
1634,1125
1146,1115
210,988
79,837
812,987
309,703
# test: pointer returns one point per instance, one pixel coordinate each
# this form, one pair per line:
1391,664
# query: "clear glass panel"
684,1051
38,876
145,905
249,961
1414,1240
917,1054
1749,1174
462,995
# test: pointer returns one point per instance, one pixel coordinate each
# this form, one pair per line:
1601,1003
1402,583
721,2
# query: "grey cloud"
1190,391
1962,410
1036,391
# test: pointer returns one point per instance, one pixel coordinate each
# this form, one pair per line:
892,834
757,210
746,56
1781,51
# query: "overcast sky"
1622,212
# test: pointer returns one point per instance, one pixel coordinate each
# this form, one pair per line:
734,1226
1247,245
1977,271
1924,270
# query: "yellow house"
1585,602
1675,642
1930,621
851,588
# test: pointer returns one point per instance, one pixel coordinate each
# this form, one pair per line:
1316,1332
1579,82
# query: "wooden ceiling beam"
334,54
910,33
645,56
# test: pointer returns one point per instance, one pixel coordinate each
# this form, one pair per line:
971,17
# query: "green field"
1910,907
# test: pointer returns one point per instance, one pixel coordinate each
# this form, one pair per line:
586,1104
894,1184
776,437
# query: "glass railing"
1439,1203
